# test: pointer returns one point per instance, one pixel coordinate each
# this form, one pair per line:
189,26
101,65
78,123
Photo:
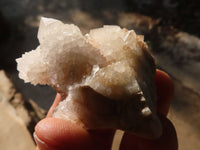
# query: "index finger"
164,90
55,104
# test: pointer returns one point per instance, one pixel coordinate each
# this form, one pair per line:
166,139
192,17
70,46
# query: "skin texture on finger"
58,134
164,90
168,140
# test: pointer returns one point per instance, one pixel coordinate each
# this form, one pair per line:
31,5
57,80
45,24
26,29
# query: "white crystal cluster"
107,75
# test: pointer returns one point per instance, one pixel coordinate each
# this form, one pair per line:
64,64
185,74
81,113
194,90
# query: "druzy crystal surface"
107,76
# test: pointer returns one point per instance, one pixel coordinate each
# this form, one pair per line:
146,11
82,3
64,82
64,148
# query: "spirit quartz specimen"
107,75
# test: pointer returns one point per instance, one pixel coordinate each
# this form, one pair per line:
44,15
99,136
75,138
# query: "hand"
56,134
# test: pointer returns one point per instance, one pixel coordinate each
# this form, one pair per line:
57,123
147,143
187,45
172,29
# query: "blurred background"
172,32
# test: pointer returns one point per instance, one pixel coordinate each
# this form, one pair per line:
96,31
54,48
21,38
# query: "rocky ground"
171,29
18,116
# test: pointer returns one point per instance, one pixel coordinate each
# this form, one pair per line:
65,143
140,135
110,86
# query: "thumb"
57,134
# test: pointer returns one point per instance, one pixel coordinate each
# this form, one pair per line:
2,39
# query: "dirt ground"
159,21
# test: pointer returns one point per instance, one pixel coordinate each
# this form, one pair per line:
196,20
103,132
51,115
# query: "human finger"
164,90
58,134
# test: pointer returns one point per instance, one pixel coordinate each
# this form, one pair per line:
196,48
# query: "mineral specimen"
107,75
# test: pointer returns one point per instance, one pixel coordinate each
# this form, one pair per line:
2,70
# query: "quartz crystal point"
107,75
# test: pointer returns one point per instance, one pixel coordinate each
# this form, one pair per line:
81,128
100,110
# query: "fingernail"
41,144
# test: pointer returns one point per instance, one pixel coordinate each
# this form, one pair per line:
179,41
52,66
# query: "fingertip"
60,134
165,91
